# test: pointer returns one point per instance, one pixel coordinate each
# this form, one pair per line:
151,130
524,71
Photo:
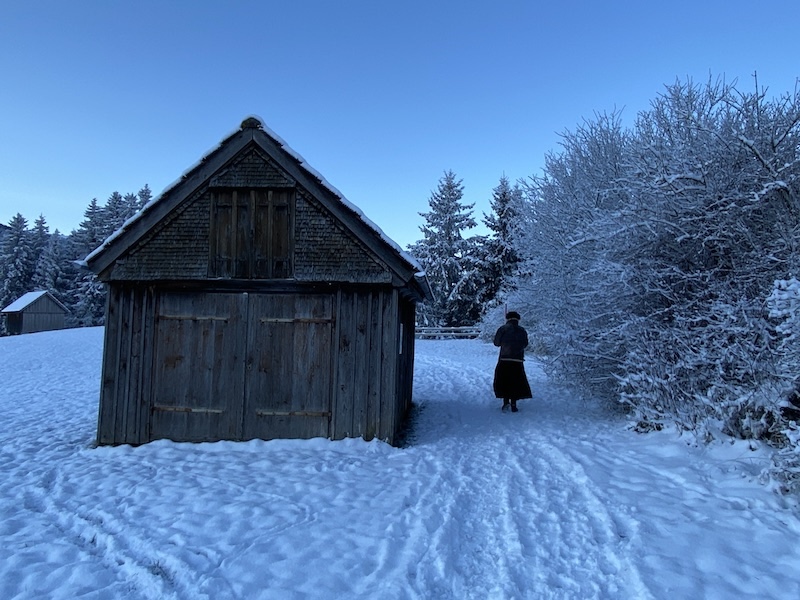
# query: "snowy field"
556,501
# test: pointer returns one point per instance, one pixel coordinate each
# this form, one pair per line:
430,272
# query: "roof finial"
252,123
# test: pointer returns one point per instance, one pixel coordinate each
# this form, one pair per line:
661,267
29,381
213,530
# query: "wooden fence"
447,333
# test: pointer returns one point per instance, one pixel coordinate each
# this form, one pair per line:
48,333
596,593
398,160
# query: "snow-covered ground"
556,501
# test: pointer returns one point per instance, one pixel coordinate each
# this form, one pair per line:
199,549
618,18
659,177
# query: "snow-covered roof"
24,301
254,122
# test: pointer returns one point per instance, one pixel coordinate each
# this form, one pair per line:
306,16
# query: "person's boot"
506,404
514,406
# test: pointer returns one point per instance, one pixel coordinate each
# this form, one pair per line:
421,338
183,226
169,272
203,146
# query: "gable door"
288,367
250,233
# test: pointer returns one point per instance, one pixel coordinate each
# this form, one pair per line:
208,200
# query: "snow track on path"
513,516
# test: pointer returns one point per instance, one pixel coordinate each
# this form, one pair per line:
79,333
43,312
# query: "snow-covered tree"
444,253
499,250
53,270
16,261
144,196
115,212
573,294
89,234
39,237
87,294
651,253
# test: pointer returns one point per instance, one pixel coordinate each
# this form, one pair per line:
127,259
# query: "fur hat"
512,315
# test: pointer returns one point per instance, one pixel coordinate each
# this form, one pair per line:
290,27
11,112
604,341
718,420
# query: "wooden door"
198,366
288,366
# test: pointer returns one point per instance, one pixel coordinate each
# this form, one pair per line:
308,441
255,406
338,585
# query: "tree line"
657,266
33,258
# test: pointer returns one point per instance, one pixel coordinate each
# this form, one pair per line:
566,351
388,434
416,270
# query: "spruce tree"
39,237
145,195
501,258
87,295
444,253
50,273
16,266
89,234
115,212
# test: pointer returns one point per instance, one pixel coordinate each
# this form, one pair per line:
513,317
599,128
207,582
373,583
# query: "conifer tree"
145,195
444,253
39,237
16,267
500,254
89,234
50,273
87,296
115,212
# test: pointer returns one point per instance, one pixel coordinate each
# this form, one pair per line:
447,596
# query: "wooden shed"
252,300
34,311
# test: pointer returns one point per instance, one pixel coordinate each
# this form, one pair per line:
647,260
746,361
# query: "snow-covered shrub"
786,461
651,252
784,308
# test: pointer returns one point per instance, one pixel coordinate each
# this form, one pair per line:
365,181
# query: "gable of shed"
183,245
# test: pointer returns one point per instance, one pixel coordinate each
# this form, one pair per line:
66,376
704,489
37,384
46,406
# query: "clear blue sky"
379,97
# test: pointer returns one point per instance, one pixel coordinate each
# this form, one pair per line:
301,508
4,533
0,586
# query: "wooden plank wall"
370,366
32,322
365,363
126,373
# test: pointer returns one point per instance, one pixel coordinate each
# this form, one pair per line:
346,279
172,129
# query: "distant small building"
35,311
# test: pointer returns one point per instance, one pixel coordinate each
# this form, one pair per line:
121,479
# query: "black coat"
510,380
512,340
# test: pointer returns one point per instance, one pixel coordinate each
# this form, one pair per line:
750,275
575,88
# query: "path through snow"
557,501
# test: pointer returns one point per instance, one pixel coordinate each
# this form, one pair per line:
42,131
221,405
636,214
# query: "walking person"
510,382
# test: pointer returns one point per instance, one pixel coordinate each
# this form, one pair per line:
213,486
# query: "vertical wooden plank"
213,236
335,426
138,317
409,350
345,368
148,344
280,230
238,362
389,370
107,408
120,407
243,233
377,358
261,235
124,375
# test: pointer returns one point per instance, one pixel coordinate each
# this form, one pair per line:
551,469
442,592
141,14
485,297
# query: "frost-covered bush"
652,252
786,461
784,308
